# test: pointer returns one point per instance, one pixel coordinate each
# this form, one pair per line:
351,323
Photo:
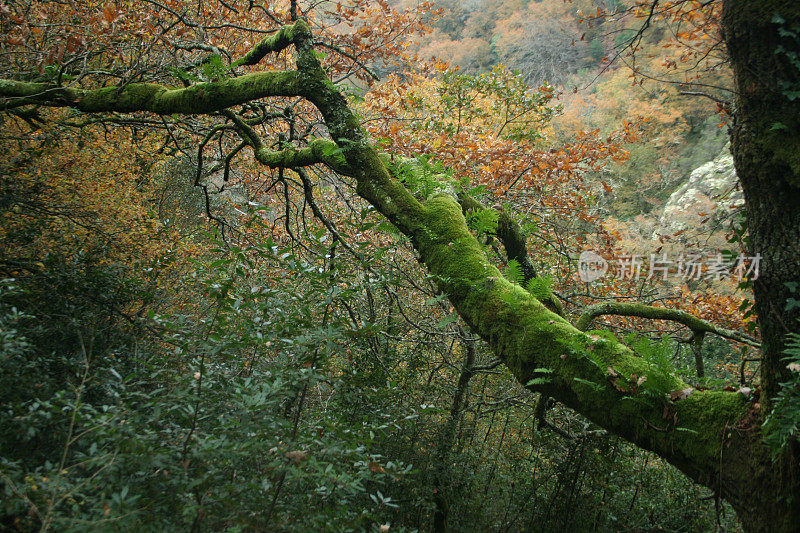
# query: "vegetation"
270,267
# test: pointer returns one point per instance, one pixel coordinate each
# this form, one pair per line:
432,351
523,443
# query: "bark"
697,325
697,351
515,243
197,99
765,142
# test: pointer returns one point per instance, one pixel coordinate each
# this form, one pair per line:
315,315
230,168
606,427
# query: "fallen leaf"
681,394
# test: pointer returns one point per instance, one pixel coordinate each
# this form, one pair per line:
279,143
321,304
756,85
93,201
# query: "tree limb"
510,234
273,43
596,375
318,151
200,98
697,325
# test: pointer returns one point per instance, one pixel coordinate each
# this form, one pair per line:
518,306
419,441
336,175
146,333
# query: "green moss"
702,420
593,373
274,43
783,146
318,151
196,99
136,96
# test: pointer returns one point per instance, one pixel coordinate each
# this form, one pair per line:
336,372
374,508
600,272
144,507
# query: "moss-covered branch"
697,325
318,151
373,182
271,44
594,374
200,98
510,234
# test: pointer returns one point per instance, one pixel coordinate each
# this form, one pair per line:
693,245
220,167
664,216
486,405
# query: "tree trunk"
765,141
763,492
447,437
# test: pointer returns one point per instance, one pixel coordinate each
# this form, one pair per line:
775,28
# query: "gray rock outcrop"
711,193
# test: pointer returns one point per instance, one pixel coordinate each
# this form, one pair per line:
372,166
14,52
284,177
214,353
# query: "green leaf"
594,386
514,272
213,67
538,381
449,319
483,221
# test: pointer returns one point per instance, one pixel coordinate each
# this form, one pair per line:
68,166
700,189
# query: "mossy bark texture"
766,151
762,42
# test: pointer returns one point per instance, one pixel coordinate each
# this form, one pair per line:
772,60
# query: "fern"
659,352
540,286
783,423
514,272
483,221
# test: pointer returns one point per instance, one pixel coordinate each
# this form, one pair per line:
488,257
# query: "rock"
711,192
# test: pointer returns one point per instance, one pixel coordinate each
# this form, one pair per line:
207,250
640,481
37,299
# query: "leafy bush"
222,418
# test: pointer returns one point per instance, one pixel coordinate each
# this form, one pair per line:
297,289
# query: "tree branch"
596,375
201,98
273,43
697,325
514,242
318,151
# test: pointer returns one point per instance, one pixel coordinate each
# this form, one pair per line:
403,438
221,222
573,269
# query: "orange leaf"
110,13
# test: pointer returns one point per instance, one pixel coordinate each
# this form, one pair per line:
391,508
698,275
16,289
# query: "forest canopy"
382,266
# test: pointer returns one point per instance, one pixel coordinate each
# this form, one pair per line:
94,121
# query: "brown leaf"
681,394
375,467
296,455
110,14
